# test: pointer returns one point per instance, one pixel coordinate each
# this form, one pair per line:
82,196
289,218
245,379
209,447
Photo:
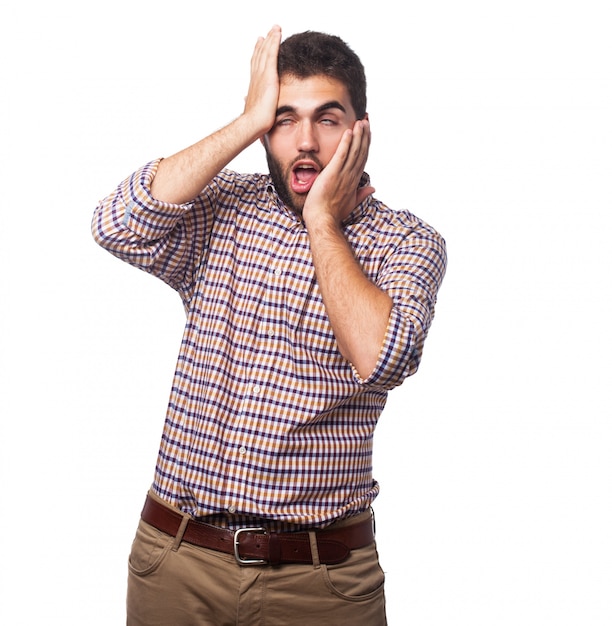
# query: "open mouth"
303,176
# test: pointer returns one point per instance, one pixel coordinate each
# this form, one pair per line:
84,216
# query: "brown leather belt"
256,546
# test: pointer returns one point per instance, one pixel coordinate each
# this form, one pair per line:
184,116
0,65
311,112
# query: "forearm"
181,177
156,237
357,309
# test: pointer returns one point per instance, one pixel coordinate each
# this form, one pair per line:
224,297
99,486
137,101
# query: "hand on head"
262,97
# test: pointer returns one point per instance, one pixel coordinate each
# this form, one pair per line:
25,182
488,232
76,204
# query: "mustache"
306,156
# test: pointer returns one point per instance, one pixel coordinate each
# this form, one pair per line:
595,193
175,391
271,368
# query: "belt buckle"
239,559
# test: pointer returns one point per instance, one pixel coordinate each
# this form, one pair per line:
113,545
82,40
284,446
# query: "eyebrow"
332,104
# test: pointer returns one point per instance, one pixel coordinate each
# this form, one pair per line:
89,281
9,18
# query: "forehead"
308,94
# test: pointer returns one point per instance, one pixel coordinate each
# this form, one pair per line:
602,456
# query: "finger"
357,147
265,47
360,150
361,140
363,193
351,154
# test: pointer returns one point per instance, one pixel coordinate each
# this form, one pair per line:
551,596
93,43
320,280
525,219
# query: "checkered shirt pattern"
266,420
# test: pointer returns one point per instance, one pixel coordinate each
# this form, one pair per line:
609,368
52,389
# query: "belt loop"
180,532
274,549
314,549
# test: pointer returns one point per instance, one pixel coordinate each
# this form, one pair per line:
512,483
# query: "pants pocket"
359,578
149,549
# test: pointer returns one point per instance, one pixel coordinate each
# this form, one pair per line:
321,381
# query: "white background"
492,121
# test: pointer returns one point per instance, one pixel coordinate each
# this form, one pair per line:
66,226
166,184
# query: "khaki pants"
174,583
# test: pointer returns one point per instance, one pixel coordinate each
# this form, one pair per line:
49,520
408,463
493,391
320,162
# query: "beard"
280,180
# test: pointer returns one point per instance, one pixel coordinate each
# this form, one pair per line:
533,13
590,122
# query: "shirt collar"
270,200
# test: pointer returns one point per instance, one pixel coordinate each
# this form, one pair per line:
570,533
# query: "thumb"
364,192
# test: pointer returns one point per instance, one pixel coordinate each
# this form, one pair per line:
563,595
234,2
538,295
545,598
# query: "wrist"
321,222
252,125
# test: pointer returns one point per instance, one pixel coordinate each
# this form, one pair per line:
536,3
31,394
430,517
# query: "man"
307,300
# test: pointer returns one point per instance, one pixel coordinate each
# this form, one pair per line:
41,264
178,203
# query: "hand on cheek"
336,191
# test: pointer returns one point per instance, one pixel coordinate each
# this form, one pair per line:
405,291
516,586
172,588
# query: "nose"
307,138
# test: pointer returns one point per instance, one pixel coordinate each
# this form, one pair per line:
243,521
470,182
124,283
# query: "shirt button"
231,509
256,388
278,271
242,450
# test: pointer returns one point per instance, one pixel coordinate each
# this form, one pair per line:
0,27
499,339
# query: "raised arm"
357,309
181,177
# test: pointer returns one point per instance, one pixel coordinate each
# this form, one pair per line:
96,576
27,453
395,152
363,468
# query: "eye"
285,121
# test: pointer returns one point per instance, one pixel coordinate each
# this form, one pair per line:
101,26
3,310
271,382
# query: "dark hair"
311,54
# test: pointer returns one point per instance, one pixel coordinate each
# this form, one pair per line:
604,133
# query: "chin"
282,184
297,205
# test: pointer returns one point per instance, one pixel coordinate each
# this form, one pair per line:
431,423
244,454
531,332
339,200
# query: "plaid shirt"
266,419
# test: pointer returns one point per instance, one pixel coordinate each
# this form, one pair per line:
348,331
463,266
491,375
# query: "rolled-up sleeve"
412,276
160,238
